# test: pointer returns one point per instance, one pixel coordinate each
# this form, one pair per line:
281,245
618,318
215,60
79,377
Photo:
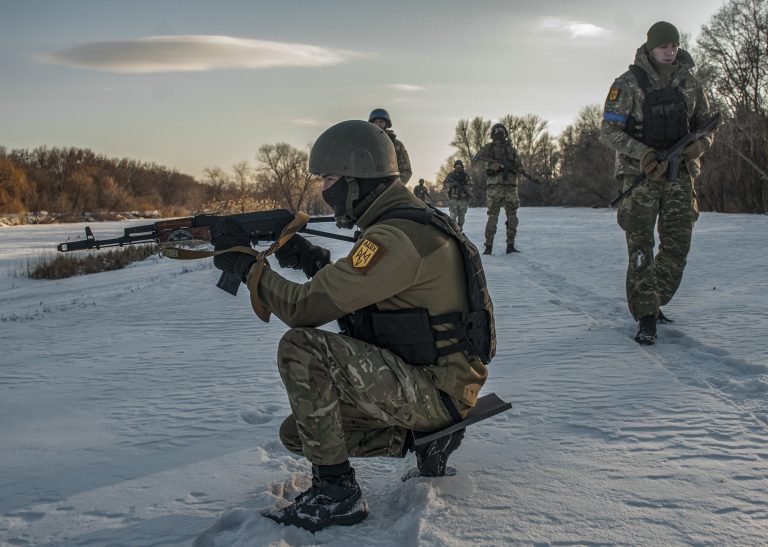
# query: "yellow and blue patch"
364,256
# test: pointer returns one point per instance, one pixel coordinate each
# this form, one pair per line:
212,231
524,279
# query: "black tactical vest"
459,189
409,333
665,114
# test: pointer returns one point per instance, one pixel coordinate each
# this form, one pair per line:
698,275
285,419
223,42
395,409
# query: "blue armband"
613,117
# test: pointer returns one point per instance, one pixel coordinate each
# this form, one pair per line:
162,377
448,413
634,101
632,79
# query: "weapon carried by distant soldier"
276,226
670,155
508,168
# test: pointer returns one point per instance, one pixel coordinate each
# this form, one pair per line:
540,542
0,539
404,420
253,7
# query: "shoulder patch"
366,254
613,94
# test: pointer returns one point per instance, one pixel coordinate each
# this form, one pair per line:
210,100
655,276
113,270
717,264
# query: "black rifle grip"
228,282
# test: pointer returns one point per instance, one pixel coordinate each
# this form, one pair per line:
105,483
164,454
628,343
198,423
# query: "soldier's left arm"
382,263
702,112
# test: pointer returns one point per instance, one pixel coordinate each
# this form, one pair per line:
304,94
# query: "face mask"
336,197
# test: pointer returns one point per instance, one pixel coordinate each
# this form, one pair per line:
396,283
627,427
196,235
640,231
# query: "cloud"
309,122
193,53
576,29
406,87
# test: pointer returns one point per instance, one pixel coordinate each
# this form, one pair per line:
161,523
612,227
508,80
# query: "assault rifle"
671,155
508,168
265,226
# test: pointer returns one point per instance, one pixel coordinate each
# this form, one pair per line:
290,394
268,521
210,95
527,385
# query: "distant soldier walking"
420,191
380,118
502,164
458,186
654,104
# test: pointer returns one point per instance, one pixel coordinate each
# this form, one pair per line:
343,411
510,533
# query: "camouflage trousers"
496,197
350,398
457,208
670,207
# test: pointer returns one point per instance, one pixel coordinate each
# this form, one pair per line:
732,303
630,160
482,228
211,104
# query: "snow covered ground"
141,407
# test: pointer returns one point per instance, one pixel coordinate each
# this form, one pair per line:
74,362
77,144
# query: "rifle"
671,155
277,225
509,168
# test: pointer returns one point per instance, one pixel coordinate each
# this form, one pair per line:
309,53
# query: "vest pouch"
479,334
406,333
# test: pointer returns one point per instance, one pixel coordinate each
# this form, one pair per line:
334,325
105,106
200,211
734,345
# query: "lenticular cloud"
193,53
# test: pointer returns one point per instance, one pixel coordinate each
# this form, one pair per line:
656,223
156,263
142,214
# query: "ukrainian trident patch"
363,256
613,94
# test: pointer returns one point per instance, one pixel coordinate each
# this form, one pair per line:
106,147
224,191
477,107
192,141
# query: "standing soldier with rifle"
380,118
503,166
420,191
458,186
650,108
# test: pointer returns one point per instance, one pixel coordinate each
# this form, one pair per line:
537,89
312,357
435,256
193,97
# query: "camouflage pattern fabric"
501,189
498,196
457,208
653,280
350,398
459,190
625,98
403,161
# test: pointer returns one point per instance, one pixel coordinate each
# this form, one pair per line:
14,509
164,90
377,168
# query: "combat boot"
432,457
334,500
511,248
488,249
646,331
662,319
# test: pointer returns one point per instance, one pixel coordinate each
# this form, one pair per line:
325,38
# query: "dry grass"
67,265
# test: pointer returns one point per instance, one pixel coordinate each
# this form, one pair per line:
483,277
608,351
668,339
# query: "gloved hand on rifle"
298,253
694,150
235,262
658,173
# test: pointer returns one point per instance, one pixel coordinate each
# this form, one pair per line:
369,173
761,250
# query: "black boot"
330,500
662,319
646,331
511,248
432,457
488,249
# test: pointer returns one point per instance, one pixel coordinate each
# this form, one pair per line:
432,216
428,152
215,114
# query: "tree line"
731,55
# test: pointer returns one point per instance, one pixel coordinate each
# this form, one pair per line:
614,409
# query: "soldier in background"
381,119
502,164
420,191
650,107
458,186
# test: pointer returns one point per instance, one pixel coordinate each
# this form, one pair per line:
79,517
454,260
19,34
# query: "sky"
198,84
142,406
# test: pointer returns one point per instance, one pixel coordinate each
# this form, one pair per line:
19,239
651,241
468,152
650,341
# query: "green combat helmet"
363,155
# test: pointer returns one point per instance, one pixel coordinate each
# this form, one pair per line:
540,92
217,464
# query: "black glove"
233,263
298,253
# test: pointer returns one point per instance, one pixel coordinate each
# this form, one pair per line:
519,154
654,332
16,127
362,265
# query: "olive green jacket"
625,99
395,264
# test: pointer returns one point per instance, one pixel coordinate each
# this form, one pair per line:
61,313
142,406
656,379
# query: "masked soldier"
502,164
654,104
417,330
421,192
458,186
380,118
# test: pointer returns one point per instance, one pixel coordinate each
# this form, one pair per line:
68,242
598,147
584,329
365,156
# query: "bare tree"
282,176
732,54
